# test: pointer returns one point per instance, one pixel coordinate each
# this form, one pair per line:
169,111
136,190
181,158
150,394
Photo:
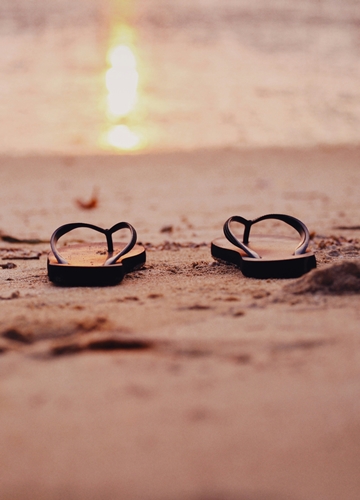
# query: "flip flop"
93,264
272,258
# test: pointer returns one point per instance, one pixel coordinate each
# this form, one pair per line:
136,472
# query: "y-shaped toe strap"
107,232
292,221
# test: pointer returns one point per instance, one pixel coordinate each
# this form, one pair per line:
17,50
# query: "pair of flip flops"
93,264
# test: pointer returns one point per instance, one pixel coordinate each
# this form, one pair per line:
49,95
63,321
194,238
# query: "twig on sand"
12,239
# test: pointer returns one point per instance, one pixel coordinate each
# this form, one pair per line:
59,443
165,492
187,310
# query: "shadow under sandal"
94,264
271,257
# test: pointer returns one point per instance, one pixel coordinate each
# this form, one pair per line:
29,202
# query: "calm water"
93,75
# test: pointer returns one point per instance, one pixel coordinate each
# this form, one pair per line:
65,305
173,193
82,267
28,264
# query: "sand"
187,380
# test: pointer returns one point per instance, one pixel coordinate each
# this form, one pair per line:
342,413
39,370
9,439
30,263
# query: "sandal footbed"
85,265
276,259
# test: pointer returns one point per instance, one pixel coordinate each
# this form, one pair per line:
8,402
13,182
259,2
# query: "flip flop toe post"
93,264
270,256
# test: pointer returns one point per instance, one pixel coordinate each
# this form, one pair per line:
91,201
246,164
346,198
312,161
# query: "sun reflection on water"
120,136
122,89
121,81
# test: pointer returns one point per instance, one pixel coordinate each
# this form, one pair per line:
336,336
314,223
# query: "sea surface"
90,76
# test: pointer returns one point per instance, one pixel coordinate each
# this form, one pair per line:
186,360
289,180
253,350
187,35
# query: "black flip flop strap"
292,221
112,259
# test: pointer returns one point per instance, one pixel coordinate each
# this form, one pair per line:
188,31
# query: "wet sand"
187,380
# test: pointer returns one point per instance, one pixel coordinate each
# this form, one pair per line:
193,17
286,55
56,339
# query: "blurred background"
92,76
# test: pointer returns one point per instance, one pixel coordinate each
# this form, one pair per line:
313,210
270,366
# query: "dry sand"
187,380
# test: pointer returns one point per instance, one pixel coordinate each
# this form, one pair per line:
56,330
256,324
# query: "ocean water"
90,76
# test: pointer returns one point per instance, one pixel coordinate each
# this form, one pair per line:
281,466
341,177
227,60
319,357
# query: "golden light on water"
120,136
121,83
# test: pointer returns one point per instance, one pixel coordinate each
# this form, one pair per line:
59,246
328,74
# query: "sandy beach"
187,380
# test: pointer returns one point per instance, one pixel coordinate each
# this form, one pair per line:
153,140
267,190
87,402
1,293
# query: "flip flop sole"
270,265
86,268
